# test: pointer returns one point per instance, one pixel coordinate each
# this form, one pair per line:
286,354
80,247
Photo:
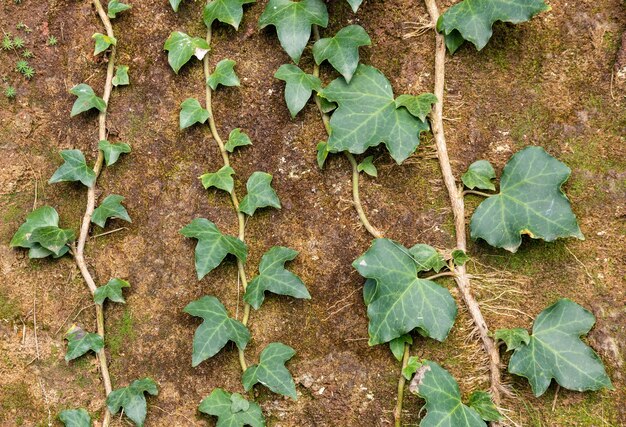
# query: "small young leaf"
237,138
175,4
75,418
80,342
230,411
271,371
293,21
298,88
227,11
213,246
181,47
479,175
368,167
396,345
103,42
221,179
111,207
513,338
556,351
121,76
354,4
53,238
459,257
73,169
112,151
427,258
342,50
419,106
481,402
325,104
413,364
112,290
216,329
260,194
275,278
115,7
132,399
191,112
224,75
322,153
87,99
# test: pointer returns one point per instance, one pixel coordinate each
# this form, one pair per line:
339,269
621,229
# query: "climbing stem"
397,412
477,193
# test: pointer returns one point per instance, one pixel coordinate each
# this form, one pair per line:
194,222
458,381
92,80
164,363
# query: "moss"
595,409
120,333
533,256
8,309
16,398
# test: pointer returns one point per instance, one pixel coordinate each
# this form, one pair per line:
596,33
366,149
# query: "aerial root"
416,29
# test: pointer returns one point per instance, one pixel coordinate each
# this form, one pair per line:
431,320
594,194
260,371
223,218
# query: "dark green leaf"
413,364
427,258
111,207
325,104
271,371
227,11
479,175
112,290
37,251
75,418
367,166
237,138
53,238
191,112
298,88
87,99
73,169
481,402
221,179
342,50
513,338
396,345
80,342
112,151
121,76
260,194
419,106
45,216
230,411
224,75
459,257
103,42
132,399
115,7
322,153
181,47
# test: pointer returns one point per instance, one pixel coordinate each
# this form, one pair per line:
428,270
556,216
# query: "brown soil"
551,82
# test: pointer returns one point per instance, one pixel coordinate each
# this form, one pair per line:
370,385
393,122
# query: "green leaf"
275,278
103,42
298,88
112,290
121,76
175,4
38,251
181,47
75,418
111,207
472,20
191,112
112,151
396,345
342,50
459,257
224,75
481,402
73,169
556,351
132,399
479,175
216,329
326,105
44,216
213,246
441,392
260,194
413,364
427,258
367,115
293,21
322,153
87,99
237,138
221,179
271,371
355,4
116,7
401,301
530,202
227,11
229,410
80,342
513,338
53,238
368,167
419,106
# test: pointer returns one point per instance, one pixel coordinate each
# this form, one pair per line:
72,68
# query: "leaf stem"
438,275
478,193
397,412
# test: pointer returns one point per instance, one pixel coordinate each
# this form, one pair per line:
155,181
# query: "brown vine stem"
456,199
79,250
233,196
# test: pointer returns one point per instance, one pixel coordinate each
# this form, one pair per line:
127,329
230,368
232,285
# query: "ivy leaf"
427,258
53,238
322,153
275,278
443,398
111,207
224,75
513,338
132,399
227,11
87,99
298,88
325,104
419,106
221,179
367,115
112,151
459,257
80,342
368,167
396,345
271,371
472,20
191,112
75,418
229,410
116,7
260,194
479,175
175,4
530,202
237,138
213,246
73,169
355,4
481,402
556,351
342,50
45,216
216,329
181,47
293,21
103,42
112,290
401,301
121,76
412,365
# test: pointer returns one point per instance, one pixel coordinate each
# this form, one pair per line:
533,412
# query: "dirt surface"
552,82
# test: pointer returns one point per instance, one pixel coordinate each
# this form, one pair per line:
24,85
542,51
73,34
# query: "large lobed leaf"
132,400
271,370
232,410
342,50
227,11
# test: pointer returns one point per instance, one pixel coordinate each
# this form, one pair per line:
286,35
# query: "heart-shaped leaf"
271,371
73,169
103,42
368,167
221,179
419,106
342,50
112,151
298,88
80,342
181,47
237,138
115,7
230,411
479,175
260,194
191,112
132,399
121,76
224,75
87,99
112,290
75,418
227,11
111,207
